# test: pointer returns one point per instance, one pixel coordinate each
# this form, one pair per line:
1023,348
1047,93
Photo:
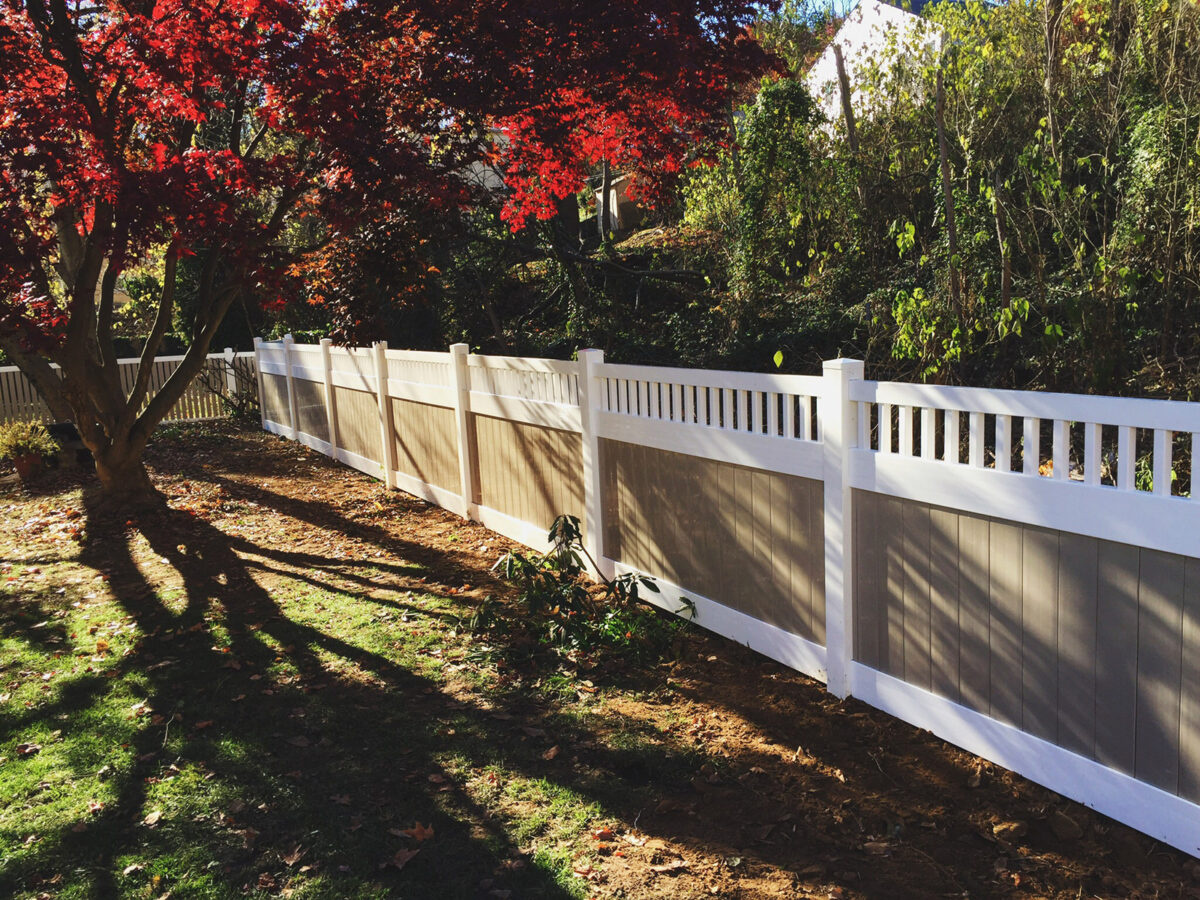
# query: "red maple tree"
224,129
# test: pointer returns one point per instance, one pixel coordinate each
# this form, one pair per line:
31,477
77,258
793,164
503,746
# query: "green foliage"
568,613
26,439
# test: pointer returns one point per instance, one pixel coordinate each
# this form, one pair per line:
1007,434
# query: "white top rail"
423,356
516,364
803,385
134,360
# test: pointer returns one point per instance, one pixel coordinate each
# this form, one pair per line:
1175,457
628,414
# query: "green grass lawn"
230,756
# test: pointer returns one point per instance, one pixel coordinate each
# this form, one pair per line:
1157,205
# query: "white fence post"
231,384
593,499
468,463
330,409
838,423
387,431
258,376
288,341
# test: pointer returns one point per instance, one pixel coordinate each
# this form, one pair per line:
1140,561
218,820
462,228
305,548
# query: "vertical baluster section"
1031,445
975,440
929,433
1003,443
1091,453
906,430
1061,449
950,449
1162,461
1126,457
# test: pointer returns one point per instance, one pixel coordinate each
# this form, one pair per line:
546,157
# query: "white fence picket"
20,402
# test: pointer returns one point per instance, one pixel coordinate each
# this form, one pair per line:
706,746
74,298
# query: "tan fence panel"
358,423
1089,644
748,539
531,473
275,400
311,414
426,442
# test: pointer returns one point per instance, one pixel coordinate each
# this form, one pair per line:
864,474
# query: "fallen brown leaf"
290,859
673,866
418,832
401,859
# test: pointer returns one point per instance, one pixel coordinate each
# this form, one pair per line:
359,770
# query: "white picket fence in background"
1014,571
20,402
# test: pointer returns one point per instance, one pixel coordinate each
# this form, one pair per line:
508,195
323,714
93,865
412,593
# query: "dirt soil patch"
272,689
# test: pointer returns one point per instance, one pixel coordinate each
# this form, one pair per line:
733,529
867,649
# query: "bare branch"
162,319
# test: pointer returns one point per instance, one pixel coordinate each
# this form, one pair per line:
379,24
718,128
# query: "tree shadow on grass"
312,752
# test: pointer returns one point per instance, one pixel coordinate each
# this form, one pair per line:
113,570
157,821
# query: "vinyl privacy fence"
1017,572
228,372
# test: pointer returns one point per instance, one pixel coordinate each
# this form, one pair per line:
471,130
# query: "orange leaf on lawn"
419,832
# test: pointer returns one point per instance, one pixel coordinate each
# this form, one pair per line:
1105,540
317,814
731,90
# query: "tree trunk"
1005,249
124,480
603,208
948,199
566,221
1052,22
851,125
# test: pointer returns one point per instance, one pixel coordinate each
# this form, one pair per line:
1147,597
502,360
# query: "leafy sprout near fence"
570,614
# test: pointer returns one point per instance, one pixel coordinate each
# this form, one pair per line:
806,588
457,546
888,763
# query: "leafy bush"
568,613
24,439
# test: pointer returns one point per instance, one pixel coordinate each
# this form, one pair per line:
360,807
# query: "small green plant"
569,613
1143,474
19,439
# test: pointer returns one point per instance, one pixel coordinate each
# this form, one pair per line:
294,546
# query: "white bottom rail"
793,651
1164,816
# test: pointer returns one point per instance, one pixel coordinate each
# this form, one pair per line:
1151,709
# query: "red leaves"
217,125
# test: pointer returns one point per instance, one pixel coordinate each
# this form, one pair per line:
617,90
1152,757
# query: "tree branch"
162,319
104,317
193,361
39,371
